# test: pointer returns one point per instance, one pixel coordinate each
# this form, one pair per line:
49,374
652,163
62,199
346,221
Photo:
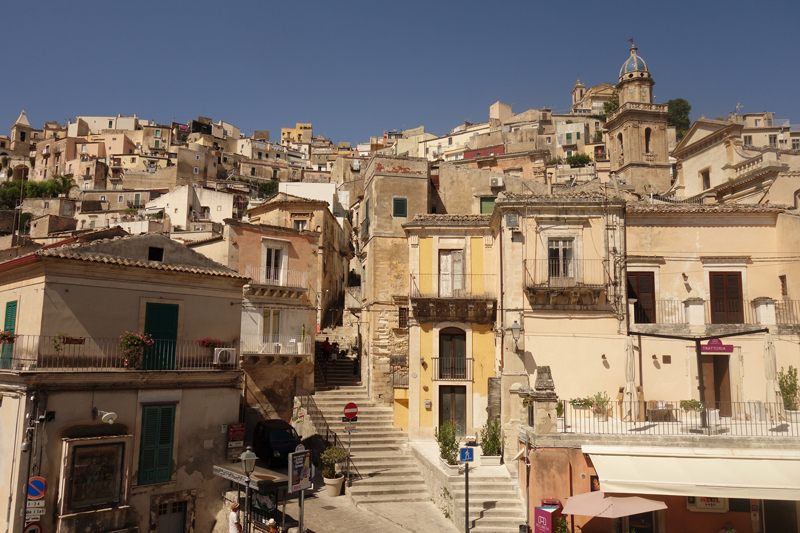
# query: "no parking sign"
37,486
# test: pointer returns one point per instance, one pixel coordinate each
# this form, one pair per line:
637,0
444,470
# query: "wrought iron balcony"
452,368
564,273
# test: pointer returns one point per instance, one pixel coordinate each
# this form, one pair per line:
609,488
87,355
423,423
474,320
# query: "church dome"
633,64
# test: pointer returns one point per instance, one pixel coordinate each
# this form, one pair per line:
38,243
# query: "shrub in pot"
448,444
787,381
491,442
333,479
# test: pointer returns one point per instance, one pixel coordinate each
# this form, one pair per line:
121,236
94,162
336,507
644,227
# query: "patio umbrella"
774,396
601,504
630,406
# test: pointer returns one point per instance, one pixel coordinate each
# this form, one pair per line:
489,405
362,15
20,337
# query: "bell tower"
637,130
577,92
21,135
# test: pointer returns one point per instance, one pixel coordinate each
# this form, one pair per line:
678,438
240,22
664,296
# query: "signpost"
350,412
300,475
466,456
235,441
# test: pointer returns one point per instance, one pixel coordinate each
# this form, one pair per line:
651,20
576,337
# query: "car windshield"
282,435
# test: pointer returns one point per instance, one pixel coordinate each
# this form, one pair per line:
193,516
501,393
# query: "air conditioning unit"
496,182
224,356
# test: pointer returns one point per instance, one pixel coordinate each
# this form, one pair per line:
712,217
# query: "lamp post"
515,332
248,459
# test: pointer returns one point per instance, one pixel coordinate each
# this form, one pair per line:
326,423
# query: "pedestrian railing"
324,430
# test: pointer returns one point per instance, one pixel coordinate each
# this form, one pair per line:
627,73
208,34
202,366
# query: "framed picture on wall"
595,480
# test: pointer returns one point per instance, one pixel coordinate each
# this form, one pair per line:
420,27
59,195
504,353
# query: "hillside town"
535,318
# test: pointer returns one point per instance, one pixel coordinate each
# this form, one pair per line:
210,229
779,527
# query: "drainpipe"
30,433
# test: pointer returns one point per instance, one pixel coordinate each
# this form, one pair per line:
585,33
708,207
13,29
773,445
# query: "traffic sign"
350,410
37,486
350,430
467,455
346,420
34,527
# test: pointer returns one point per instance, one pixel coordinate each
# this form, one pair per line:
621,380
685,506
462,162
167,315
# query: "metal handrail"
565,273
457,286
318,419
452,368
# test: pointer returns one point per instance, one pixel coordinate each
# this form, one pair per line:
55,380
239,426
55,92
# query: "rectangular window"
272,266
641,287
597,125
133,160
450,141
300,224
274,174
259,155
795,144
758,123
748,140
196,170
158,133
252,171
83,148
110,124
578,136
547,140
155,449
726,298
9,325
155,253
156,143
560,264
402,317
487,205
569,138
102,198
271,325
706,177
105,460
784,289
400,207
119,198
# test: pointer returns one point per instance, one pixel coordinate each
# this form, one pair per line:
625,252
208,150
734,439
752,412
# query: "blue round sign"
37,486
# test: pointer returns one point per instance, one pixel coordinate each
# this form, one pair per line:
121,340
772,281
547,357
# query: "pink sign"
716,346
544,519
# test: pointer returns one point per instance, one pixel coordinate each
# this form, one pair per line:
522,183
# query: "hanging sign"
716,346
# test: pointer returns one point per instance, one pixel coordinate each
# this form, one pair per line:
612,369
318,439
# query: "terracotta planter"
491,460
333,487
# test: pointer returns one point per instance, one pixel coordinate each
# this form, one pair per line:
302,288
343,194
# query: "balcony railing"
277,276
787,312
33,353
460,286
737,419
452,369
277,344
663,312
564,273
730,311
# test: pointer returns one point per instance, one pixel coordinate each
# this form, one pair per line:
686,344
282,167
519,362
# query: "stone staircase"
379,450
494,504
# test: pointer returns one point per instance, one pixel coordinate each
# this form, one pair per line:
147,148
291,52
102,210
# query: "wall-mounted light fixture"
603,357
655,357
515,333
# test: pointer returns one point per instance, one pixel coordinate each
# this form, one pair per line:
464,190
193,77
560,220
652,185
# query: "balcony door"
642,288
451,273
452,354
727,306
560,262
273,264
453,407
161,322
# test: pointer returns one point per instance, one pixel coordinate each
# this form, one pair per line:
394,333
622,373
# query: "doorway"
780,516
451,273
171,517
453,407
717,382
161,322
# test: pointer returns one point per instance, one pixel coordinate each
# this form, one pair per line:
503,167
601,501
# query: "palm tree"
65,184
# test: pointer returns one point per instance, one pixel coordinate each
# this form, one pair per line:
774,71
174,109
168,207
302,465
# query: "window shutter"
155,456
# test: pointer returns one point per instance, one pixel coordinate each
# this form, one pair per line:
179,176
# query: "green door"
9,326
161,322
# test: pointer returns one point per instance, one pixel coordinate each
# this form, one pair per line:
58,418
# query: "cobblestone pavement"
326,514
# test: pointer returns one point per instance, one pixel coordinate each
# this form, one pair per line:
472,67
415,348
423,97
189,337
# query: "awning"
767,474
605,506
261,479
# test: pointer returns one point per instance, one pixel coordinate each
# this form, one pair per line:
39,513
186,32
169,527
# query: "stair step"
400,481
357,490
393,498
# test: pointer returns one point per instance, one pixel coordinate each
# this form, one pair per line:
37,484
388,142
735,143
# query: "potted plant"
6,337
787,381
691,410
581,407
333,479
208,342
133,346
448,446
600,405
491,442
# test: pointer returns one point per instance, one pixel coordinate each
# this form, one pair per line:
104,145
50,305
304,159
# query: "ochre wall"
426,351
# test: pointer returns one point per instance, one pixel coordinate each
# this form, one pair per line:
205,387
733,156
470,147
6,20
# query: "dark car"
274,440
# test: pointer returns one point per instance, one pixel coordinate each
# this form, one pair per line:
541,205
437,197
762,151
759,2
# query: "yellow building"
301,133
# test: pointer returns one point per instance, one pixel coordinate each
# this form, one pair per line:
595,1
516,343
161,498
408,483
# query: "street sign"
350,410
235,441
34,527
37,486
346,420
467,455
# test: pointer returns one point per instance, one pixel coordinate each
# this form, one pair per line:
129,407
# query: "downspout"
33,399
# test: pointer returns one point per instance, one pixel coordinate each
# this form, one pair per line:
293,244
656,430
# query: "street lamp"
248,459
515,331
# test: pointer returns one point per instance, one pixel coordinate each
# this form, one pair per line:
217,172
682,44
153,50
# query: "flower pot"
600,414
73,340
333,486
491,460
450,470
7,341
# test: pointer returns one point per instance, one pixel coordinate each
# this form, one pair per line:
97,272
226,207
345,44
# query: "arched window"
647,140
452,354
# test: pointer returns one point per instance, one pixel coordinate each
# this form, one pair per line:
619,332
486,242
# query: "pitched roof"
23,120
283,197
643,207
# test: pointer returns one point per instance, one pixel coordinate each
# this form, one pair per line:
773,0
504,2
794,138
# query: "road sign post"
350,415
467,455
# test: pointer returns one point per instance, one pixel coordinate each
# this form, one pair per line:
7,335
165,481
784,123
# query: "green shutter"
578,135
400,207
161,322
487,206
155,454
9,325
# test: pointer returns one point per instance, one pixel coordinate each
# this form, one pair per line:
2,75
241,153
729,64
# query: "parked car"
274,440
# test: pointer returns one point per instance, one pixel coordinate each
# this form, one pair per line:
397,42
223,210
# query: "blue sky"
355,69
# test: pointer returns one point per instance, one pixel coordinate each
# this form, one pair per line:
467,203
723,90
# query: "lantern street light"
248,459
515,332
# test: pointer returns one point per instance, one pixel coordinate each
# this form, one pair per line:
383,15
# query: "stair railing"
308,403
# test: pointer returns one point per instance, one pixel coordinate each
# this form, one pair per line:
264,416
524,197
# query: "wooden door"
726,298
161,322
642,287
452,354
717,382
453,407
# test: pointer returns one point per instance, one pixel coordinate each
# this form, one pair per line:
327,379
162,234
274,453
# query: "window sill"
141,489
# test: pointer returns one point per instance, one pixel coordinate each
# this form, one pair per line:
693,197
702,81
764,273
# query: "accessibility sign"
37,486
